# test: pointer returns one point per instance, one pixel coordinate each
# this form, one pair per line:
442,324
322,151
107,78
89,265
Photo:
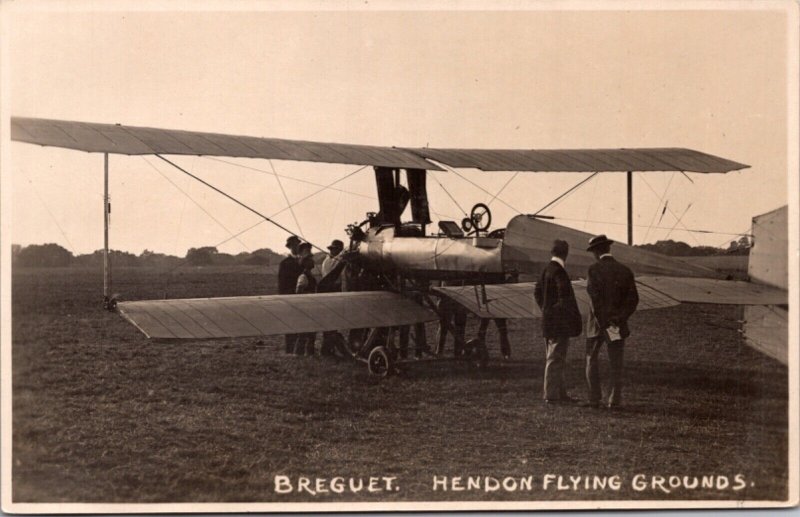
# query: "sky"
710,80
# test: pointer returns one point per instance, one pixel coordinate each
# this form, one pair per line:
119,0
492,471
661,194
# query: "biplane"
410,267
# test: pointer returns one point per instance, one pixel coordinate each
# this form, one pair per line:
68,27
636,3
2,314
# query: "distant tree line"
53,255
681,249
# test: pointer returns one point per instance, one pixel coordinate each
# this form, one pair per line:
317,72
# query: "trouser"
502,330
420,339
290,340
305,343
458,319
615,359
554,385
327,346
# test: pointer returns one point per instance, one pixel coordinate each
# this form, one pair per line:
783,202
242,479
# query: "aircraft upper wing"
245,316
582,160
133,140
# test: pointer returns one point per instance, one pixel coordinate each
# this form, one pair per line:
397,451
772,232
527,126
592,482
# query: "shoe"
568,400
592,404
559,402
614,407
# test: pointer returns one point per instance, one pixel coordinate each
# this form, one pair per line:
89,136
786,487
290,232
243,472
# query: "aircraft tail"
766,327
527,243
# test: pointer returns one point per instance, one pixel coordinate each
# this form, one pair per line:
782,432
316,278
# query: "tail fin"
766,327
528,240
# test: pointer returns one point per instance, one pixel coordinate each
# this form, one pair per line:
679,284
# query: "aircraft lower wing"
515,301
248,316
708,290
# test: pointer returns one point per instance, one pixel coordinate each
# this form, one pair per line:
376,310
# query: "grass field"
102,415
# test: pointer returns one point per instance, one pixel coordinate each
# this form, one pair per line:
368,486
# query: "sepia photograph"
382,256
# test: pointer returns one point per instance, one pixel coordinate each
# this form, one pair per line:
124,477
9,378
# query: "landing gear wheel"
481,217
379,362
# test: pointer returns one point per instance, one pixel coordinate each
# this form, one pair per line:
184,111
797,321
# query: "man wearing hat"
333,266
612,290
561,320
332,260
288,272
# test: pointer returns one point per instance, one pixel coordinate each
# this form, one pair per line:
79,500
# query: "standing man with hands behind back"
561,319
614,299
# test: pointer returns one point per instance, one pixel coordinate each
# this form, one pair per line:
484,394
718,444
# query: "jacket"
555,296
306,283
288,271
612,288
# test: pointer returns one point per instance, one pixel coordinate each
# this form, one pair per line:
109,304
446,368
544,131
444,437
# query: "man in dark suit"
288,272
614,299
561,320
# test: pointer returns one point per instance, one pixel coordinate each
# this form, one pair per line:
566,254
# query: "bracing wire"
726,241
286,198
663,211
568,192
296,203
333,215
692,230
589,204
669,209
183,210
450,169
660,199
326,187
284,176
679,222
198,205
489,203
53,217
274,215
209,185
448,194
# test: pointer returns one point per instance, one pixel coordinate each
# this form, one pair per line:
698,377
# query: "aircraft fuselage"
430,257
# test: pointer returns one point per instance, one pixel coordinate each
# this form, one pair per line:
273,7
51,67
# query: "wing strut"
630,208
107,302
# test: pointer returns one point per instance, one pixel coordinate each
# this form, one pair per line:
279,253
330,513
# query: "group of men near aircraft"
610,285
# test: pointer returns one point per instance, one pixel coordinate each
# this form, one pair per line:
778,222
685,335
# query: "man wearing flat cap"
612,290
561,320
288,272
